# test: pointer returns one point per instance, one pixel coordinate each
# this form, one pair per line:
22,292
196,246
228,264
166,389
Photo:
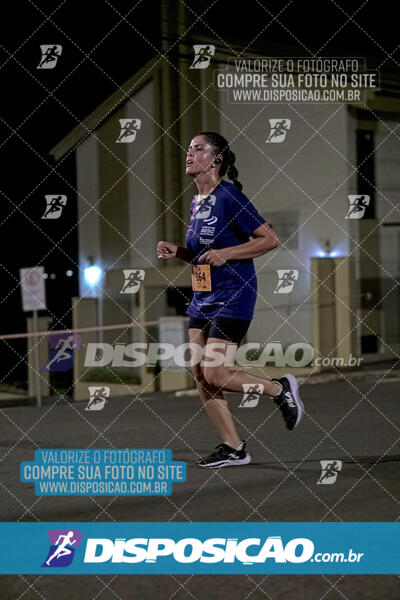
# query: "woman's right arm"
168,250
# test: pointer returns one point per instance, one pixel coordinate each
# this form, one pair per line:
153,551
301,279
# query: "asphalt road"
357,423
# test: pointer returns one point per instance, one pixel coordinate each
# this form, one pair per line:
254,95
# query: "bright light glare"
324,254
92,274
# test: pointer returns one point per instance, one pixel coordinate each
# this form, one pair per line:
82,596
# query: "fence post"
43,324
84,314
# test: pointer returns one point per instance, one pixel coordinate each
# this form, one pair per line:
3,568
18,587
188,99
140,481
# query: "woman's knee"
215,376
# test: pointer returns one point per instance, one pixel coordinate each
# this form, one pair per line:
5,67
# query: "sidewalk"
387,371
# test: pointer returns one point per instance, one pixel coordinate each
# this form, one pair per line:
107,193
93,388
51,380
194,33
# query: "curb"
350,375
321,378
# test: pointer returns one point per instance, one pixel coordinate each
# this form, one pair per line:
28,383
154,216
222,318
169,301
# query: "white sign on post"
172,330
32,288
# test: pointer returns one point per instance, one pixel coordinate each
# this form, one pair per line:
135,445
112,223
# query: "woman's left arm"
264,240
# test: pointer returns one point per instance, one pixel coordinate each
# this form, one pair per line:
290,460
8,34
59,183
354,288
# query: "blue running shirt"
224,218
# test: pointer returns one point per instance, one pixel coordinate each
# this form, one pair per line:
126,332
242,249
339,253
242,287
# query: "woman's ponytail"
232,171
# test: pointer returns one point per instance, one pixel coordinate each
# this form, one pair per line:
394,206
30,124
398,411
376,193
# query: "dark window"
179,298
366,169
369,344
370,293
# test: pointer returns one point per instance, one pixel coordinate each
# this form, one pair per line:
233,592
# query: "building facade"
131,195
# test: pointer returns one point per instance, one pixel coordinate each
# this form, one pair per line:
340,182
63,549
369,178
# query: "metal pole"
100,314
36,356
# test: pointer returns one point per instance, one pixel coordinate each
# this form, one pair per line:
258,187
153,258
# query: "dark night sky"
42,106
78,86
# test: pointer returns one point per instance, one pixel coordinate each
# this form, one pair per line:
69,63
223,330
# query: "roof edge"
105,109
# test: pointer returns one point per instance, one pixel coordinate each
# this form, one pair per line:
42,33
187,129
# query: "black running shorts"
232,330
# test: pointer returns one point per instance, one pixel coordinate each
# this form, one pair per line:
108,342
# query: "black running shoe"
289,401
225,456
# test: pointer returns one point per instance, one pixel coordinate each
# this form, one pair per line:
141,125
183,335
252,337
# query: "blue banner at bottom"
213,548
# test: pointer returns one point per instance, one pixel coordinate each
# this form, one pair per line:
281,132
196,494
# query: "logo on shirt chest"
203,206
202,224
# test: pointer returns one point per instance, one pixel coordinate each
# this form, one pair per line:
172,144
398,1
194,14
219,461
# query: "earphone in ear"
217,161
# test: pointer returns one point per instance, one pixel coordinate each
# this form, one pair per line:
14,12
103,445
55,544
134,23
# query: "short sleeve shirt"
222,219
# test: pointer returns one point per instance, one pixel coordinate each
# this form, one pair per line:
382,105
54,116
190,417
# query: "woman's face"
199,157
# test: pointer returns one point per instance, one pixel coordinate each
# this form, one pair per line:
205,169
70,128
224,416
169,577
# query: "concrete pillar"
169,107
345,307
173,330
333,307
323,307
147,378
370,284
43,347
190,109
84,314
87,174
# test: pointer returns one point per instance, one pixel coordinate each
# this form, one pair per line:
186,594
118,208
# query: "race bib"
201,278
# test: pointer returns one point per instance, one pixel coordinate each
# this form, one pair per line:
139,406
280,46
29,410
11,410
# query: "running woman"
219,247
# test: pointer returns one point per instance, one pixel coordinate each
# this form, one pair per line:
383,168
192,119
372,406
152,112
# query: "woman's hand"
166,250
217,258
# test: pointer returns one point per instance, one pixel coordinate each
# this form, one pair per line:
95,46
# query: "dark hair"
221,146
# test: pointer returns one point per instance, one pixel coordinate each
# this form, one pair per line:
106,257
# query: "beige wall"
120,182
388,167
298,174
113,189
387,173
143,185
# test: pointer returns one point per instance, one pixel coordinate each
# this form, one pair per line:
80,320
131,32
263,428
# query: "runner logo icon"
129,128
279,129
251,394
62,347
54,206
358,204
329,471
202,56
133,279
63,543
50,55
203,207
287,278
98,397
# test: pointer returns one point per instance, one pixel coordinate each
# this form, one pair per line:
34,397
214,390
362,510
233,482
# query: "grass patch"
14,388
110,375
